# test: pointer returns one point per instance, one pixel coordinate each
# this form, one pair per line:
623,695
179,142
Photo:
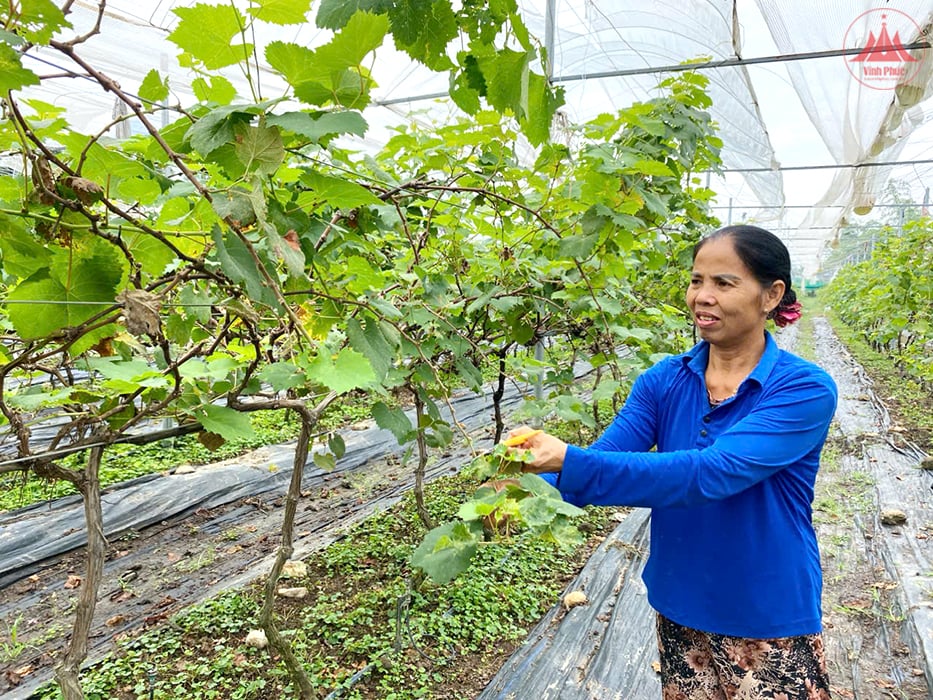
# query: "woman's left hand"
548,451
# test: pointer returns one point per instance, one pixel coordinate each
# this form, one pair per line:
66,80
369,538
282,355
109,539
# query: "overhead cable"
681,67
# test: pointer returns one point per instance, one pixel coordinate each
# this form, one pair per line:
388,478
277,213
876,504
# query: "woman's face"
728,304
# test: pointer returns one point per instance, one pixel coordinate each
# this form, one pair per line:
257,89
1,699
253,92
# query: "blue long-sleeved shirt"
733,550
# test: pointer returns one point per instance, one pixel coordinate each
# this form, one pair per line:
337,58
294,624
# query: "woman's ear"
774,294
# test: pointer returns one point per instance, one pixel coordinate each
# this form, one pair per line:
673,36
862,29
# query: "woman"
737,425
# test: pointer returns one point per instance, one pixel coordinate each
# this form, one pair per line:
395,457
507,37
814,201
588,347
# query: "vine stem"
67,670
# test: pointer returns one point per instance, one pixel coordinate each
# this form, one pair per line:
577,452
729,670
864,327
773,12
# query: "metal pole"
550,15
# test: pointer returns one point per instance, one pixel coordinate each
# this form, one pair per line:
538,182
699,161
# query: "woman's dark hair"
766,256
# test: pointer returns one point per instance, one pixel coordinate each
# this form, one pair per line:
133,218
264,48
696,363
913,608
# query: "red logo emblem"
883,63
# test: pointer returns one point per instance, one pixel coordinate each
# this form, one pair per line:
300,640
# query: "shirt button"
703,433
706,419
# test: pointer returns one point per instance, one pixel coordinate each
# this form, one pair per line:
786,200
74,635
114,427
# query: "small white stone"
257,639
185,469
297,593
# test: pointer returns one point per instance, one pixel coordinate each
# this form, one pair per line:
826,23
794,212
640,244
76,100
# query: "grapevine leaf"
325,461
237,263
236,205
154,87
334,14
470,373
652,167
395,421
540,512
364,32
447,550
336,444
295,63
12,74
543,102
85,279
578,247
280,11
206,32
219,90
371,342
260,148
287,252
22,255
37,20
423,29
338,193
225,421
363,277
347,371
318,127
282,375
348,88
217,127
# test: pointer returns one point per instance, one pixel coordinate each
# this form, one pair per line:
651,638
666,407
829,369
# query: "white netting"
864,117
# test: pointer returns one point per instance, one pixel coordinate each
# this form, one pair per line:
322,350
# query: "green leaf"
318,127
79,277
280,248
423,29
506,74
280,11
543,102
219,90
347,371
23,256
259,148
334,14
652,167
126,370
206,32
282,376
336,444
371,342
237,263
154,87
218,127
239,205
36,20
12,74
336,192
325,461
363,278
395,421
447,550
578,247
469,373
225,421
292,61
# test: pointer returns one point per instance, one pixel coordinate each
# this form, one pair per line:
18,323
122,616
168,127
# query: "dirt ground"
871,641
150,575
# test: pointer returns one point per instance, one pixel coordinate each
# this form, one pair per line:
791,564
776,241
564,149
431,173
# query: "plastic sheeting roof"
826,111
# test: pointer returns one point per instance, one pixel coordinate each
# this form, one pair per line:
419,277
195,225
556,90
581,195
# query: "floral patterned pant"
702,666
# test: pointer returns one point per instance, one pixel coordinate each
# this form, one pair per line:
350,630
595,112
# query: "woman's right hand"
547,450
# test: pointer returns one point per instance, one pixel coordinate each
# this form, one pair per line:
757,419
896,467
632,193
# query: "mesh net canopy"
819,105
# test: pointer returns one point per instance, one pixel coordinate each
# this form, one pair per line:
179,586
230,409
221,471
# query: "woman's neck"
734,361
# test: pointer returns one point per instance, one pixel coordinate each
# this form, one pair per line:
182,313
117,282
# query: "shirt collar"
697,357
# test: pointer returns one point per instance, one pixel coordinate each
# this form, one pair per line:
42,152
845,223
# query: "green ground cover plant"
366,610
